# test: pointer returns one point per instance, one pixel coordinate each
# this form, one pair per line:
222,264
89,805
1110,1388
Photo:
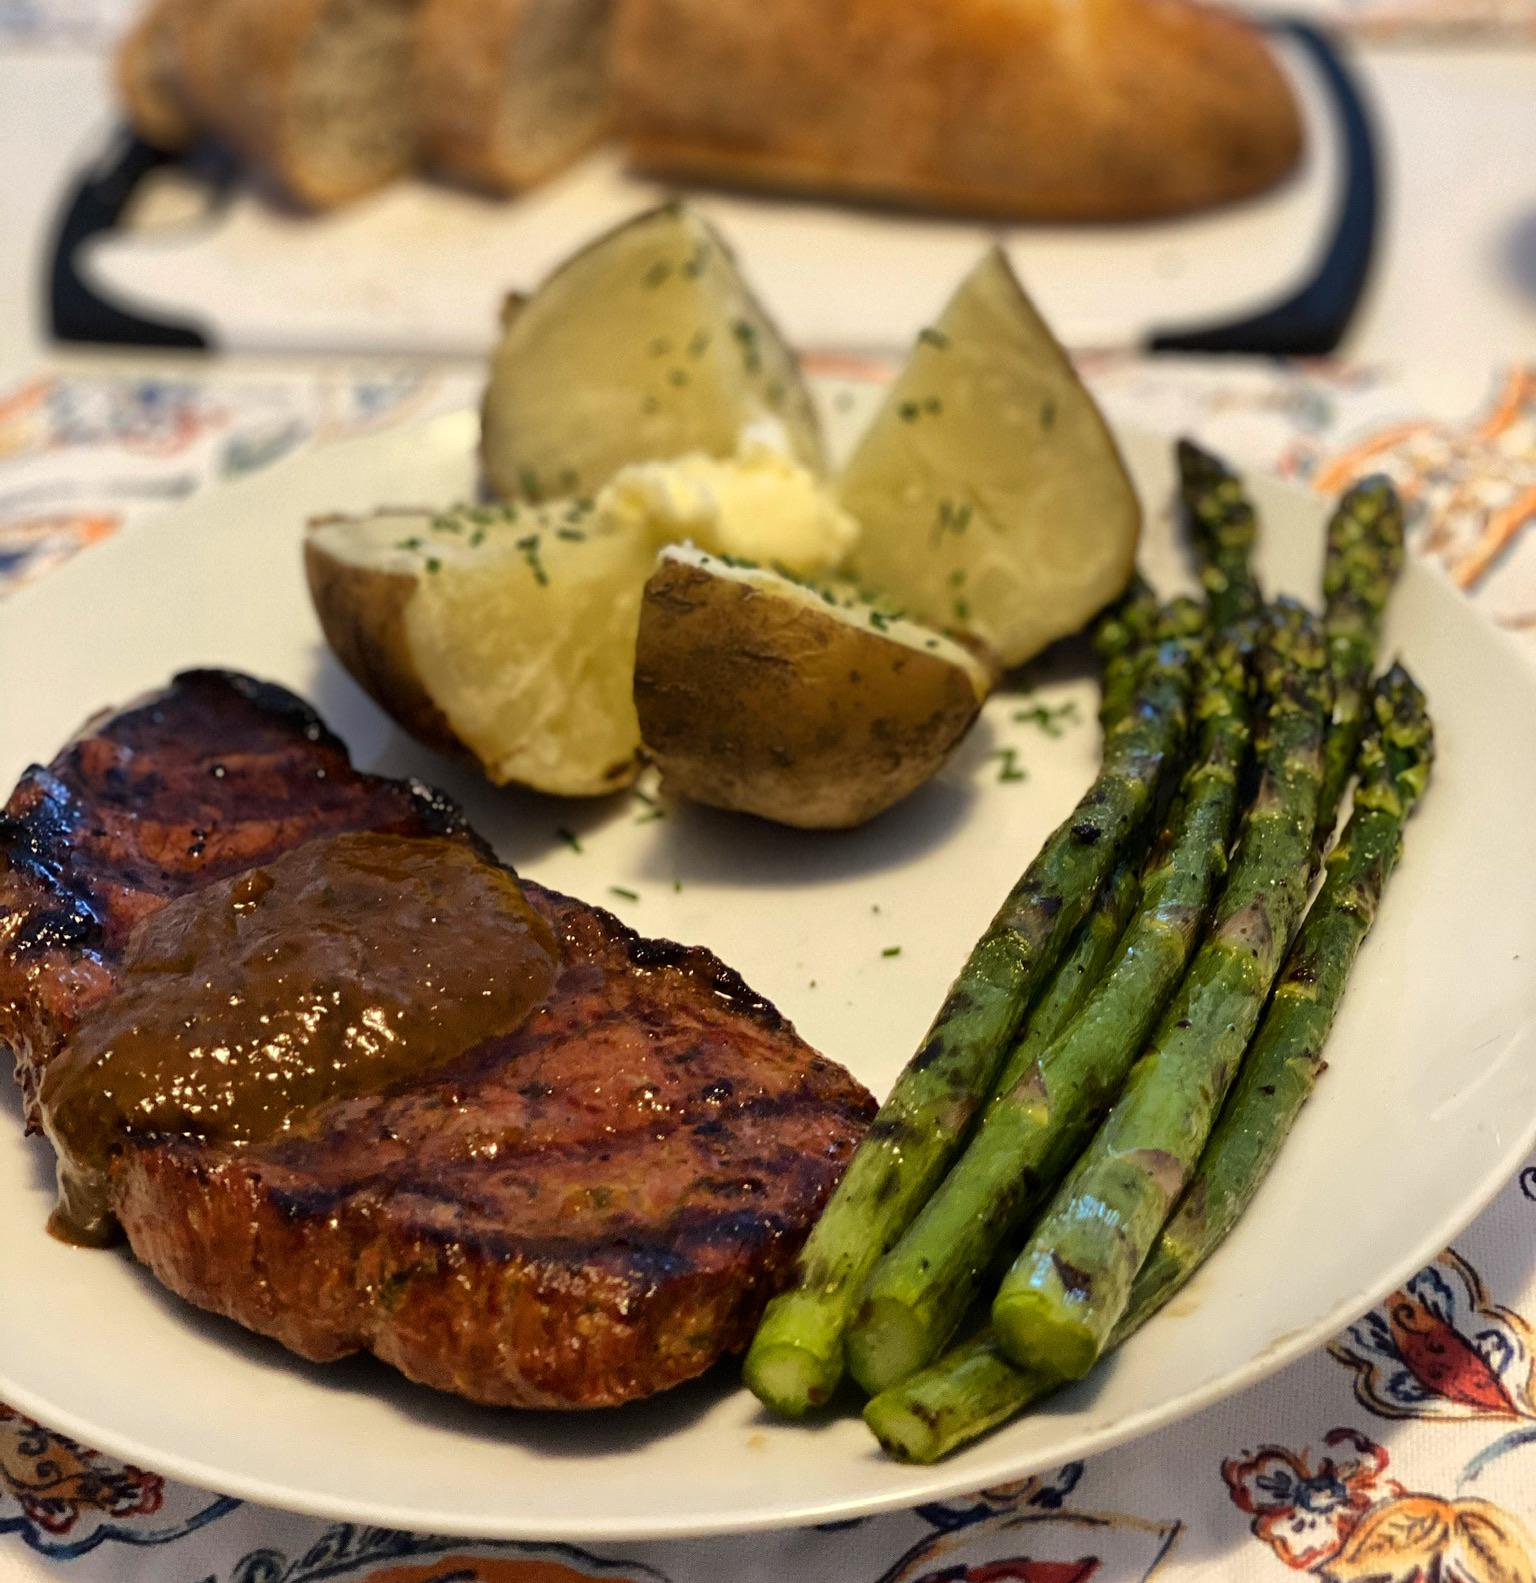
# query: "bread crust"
240,61
463,52
1097,110
461,62
140,71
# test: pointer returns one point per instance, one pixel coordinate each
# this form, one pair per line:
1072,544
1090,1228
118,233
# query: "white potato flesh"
521,632
645,345
988,489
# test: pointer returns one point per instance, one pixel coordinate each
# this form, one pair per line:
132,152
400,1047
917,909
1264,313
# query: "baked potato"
808,706
989,492
643,346
507,634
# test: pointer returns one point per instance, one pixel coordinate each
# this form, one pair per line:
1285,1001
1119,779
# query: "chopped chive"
677,885
933,405
433,564
1010,770
569,837
1048,415
1051,721
933,337
570,535
477,538
907,412
624,891
656,275
529,545
412,543
891,950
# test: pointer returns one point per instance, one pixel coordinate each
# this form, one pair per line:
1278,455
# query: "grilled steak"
587,1210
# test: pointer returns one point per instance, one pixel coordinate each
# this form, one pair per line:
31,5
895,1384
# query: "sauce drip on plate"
337,970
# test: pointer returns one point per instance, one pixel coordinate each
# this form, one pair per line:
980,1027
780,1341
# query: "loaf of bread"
1034,109
1030,109
511,91
319,94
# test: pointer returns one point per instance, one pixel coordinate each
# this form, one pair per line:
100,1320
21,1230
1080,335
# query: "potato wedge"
507,634
643,346
762,694
989,492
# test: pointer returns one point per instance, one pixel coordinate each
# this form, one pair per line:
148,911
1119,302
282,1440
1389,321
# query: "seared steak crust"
588,1210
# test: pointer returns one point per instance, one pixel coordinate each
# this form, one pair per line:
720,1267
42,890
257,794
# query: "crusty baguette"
148,79
511,91
1038,109
318,94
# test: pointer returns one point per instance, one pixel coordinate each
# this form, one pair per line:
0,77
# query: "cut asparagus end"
904,1429
789,1380
796,1358
888,1342
970,1390
1038,1333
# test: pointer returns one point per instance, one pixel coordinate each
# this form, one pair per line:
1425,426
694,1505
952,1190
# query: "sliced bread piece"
148,77
316,93
511,91
1038,109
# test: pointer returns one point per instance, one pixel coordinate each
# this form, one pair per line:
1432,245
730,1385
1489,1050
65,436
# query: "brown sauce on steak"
335,971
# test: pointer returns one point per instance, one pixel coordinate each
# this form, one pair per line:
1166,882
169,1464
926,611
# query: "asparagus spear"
1286,1059
1363,557
1080,970
971,1389
1038,1121
1119,636
1068,1288
1221,520
975,1387
796,1358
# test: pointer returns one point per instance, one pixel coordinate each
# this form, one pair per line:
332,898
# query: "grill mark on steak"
589,1209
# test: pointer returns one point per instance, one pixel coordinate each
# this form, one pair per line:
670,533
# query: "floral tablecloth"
1404,1452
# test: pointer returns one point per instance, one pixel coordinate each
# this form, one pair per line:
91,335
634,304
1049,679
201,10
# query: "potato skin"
772,706
362,614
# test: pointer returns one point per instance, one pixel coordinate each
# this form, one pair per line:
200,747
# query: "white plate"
1428,1105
